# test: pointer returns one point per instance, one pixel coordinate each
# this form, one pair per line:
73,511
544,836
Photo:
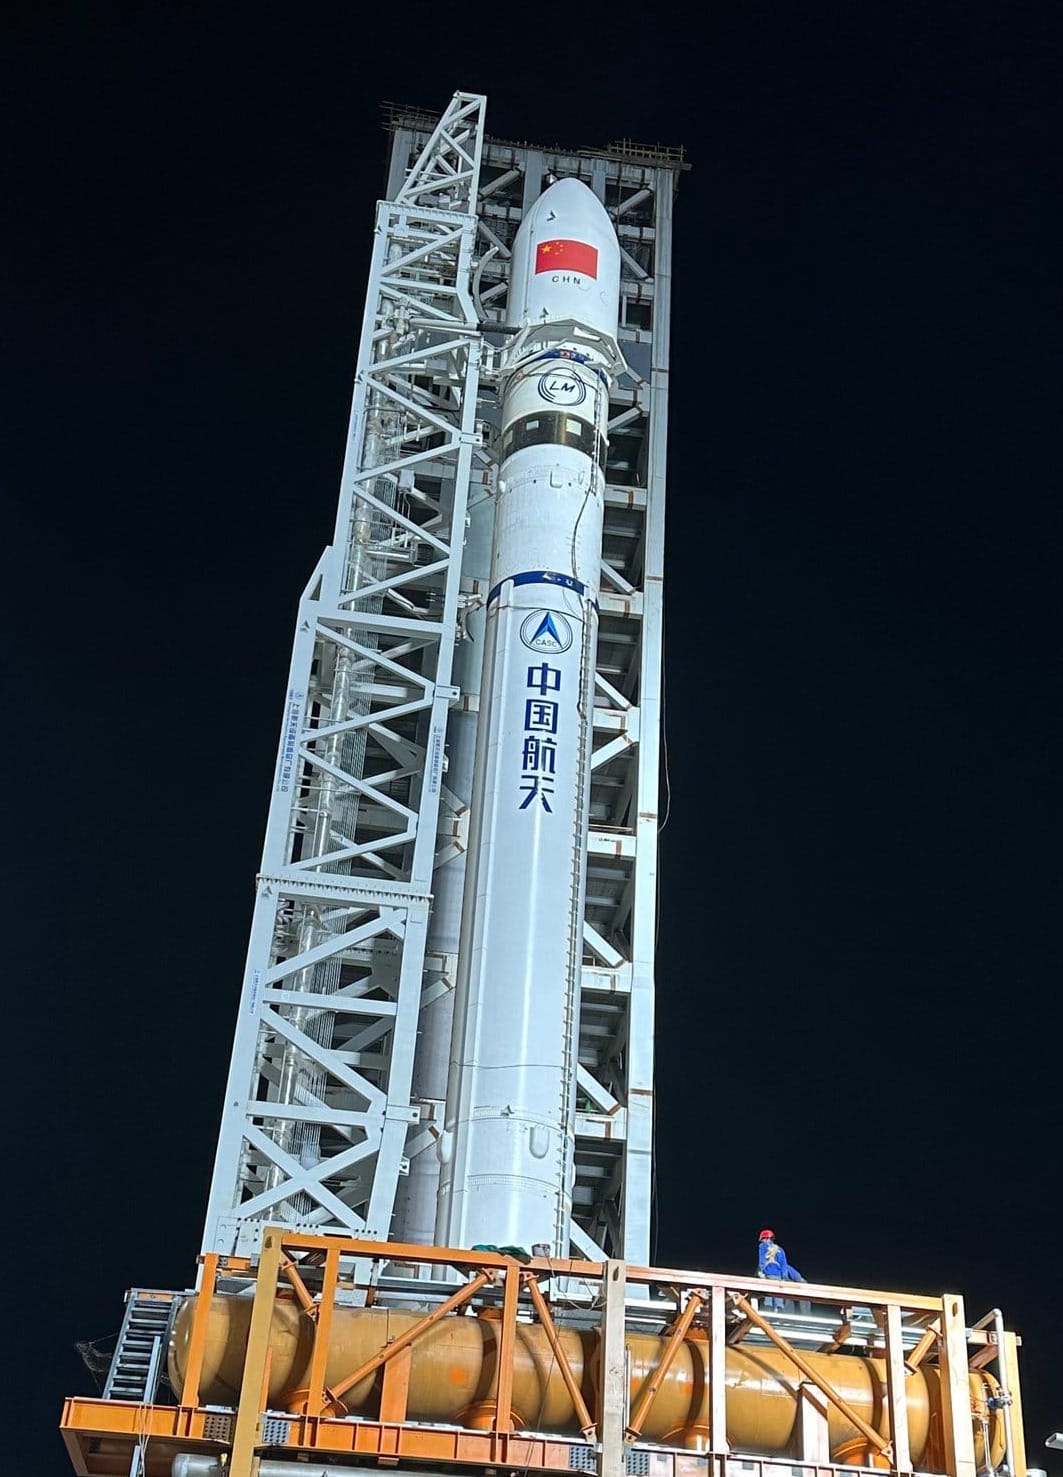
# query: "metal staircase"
137,1360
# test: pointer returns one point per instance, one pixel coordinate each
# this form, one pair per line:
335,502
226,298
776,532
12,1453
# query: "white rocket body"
508,1143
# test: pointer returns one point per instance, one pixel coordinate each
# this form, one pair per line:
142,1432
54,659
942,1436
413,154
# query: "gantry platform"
325,1354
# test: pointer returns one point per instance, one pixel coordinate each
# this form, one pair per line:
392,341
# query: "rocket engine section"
508,1142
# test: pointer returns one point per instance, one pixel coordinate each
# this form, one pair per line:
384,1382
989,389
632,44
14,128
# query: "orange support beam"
583,1415
748,1311
462,1295
671,1349
189,1393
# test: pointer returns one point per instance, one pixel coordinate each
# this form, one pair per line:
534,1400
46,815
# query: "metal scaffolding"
334,1103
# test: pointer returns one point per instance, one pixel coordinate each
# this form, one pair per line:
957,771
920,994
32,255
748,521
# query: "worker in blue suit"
772,1263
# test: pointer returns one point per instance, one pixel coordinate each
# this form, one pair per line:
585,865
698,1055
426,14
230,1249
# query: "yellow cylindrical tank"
454,1374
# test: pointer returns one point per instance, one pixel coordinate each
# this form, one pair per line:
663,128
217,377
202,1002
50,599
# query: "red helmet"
766,1236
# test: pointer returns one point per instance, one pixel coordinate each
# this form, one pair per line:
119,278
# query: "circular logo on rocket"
561,387
547,631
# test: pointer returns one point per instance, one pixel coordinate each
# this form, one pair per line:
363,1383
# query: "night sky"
859,948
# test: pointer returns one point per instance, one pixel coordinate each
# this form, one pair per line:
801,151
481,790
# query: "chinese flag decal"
566,256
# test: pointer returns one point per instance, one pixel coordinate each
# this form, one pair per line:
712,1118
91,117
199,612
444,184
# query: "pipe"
1004,1394
1002,1399
454,1371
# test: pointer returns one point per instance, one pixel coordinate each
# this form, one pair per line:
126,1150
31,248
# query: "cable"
546,1386
143,1436
664,746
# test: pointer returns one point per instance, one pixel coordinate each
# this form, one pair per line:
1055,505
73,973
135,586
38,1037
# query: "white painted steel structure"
334,1107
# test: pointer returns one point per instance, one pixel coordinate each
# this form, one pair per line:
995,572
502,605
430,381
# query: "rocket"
508,1141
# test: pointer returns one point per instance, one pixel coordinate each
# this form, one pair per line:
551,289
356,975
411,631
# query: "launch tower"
334,1114
428,1229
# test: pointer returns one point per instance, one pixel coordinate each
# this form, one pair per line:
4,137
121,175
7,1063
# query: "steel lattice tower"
334,1101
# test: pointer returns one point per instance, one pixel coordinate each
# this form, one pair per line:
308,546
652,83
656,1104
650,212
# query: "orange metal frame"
101,1435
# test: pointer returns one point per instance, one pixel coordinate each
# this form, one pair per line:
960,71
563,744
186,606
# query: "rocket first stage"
507,1146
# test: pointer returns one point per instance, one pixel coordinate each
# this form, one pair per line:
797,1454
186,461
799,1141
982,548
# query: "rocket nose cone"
568,200
565,261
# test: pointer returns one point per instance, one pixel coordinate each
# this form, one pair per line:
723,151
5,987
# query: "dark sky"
860,957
